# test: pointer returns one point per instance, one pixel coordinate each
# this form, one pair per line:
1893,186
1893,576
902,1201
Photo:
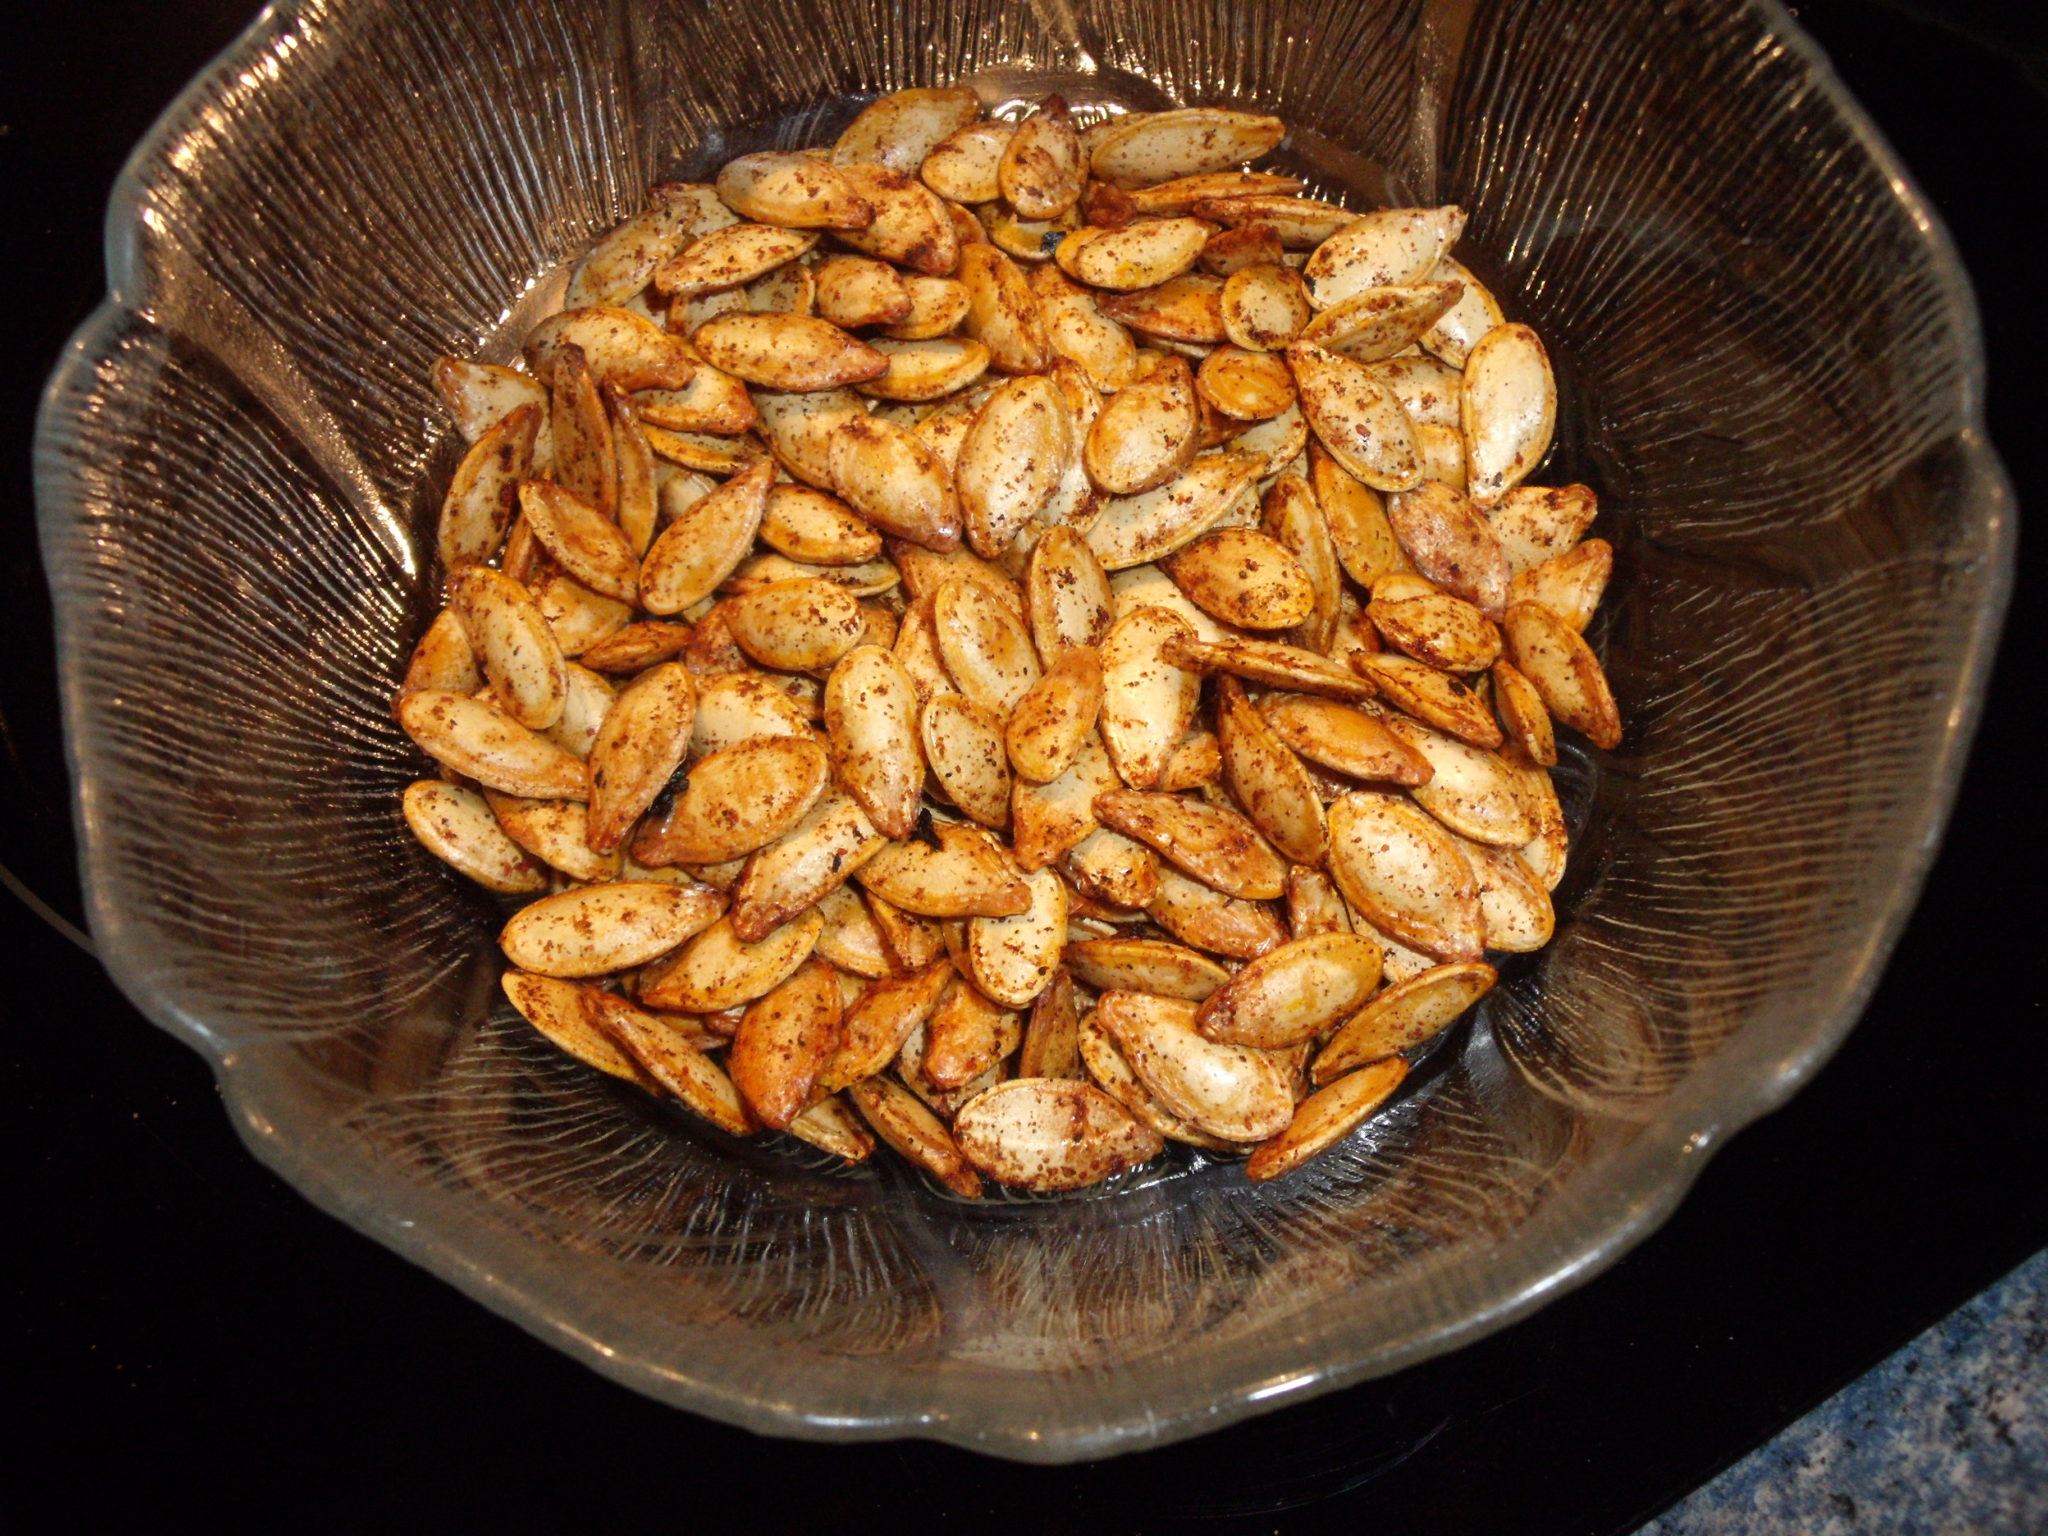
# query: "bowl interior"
1769,368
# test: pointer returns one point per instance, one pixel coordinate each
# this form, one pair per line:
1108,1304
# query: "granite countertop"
1950,1434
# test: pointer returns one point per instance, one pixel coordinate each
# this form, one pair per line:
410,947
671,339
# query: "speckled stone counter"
1949,1435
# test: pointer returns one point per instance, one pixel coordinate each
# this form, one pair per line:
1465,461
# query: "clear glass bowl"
1771,373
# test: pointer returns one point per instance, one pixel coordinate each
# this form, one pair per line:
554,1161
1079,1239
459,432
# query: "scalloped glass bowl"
1770,371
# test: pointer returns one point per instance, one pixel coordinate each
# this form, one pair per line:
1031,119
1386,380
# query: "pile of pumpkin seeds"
1019,640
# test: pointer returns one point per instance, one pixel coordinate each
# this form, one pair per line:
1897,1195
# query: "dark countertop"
191,1337
1949,1434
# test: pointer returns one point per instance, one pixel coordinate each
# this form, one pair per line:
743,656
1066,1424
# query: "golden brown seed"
1148,701
1045,1134
1226,1090
1267,779
1570,584
595,930
484,743
871,717
1217,845
1523,715
736,800
1046,730
642,742
1041,168
1243,577
1346,740
1325,1118
457,827
1404,872
793,873
784,1041
1551,654
716,970
1403,1016
915,1132
1452,544
1294,993
664,1051
483,497
796,625
560,1010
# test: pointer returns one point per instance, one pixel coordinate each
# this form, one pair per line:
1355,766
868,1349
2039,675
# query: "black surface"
189,1338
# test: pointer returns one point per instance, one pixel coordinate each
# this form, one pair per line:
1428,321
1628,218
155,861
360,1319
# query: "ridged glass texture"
1770,372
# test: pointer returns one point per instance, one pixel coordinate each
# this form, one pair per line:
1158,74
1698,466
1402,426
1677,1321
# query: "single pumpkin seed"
560,1010
1346,740
589,545
716,970
1227,1090
482,742
1270,662
1041,168
967,874
1193,141
1538,522
1569,585
1469,790
1046,1134
1356,417
1391,247
963,167
1264,307
1434,627
1148,702
1267,779
1434,697
1067,595
737,799
618,347
666,1054
1522,714
556,831
520,656
1379,322
1553,656
1145,434
792,191
1133,530
456,826
871,717
1403,1017
643,740
792,352
911,226
729,257
1245,578
915,1132
1187,308
1325,1118
483,497
1452,544
900,129
894,481
986,650
1216,844
1012,461
1399,868
1507,409
1137,256
1052,1044
818,854
1292,994
1301,223
594,930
